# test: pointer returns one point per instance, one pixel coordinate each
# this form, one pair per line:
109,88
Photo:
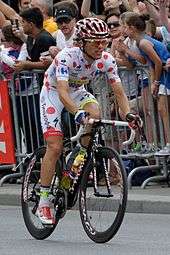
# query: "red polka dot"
110,69
105,56
100,65
50,110
56,62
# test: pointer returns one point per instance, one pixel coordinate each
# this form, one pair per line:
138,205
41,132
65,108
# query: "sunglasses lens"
113,25
65,20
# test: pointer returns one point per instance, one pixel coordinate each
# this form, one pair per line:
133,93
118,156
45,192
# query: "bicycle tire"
29,201
89,207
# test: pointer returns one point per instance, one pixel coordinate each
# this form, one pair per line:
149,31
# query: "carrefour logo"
64,70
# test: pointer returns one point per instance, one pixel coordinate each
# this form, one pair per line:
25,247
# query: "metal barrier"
25,89
152,136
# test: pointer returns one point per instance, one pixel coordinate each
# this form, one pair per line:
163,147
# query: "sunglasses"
63,20
95,43
113,25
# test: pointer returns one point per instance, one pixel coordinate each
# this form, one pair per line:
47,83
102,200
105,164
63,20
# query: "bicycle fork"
106,175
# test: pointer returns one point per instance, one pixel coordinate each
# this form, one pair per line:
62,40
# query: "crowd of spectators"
34,31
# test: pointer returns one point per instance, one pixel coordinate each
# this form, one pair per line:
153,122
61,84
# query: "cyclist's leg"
88,102
51,108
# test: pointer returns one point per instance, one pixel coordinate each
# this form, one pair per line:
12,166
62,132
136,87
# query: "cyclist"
63,87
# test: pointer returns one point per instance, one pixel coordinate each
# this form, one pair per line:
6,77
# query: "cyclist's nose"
100,45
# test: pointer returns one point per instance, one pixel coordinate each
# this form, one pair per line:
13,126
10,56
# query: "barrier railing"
153,136
24,91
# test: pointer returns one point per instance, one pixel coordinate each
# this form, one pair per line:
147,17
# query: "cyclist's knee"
93,110
54,146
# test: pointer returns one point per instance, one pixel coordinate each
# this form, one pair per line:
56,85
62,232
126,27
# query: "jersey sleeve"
111,68
62,63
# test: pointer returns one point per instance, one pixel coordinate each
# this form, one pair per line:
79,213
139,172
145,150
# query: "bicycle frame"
92,148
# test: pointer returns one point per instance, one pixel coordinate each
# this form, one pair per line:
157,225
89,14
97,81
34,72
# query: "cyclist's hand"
134,120
81,117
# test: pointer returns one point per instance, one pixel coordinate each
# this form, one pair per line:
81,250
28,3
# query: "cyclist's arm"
63,91
121,97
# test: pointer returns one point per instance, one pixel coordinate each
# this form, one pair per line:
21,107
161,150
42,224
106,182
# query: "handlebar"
114,123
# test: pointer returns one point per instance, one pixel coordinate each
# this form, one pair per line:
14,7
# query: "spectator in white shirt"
66,13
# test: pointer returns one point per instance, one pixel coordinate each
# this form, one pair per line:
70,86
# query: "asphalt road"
140,234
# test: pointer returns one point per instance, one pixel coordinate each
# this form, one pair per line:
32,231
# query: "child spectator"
156,54
10,52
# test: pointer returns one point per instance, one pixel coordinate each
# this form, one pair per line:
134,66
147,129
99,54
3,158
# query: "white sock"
44,197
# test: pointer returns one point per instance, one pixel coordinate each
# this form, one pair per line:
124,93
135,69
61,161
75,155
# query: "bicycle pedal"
97,194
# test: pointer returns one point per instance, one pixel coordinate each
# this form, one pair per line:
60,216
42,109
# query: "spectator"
133,80
47,9
156,54
38,41
114,25
66,14
24,4
110,7
12,47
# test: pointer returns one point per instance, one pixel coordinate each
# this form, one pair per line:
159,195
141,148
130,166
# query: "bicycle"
101,207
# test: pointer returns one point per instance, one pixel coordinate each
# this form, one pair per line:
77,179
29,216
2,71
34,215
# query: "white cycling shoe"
45,215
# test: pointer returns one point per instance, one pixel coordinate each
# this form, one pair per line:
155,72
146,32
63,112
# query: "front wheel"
102,209
30,197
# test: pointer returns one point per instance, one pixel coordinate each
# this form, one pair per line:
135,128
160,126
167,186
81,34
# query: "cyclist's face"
96,47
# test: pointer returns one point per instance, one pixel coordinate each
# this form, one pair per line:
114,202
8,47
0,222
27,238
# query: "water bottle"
78,163
66,180
71,174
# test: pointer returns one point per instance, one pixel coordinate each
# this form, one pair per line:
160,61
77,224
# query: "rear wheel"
102,210
30,197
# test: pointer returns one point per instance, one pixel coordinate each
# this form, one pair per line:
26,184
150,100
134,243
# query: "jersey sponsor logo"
45,119
64,70
87,95
55,122
63,61
76,82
